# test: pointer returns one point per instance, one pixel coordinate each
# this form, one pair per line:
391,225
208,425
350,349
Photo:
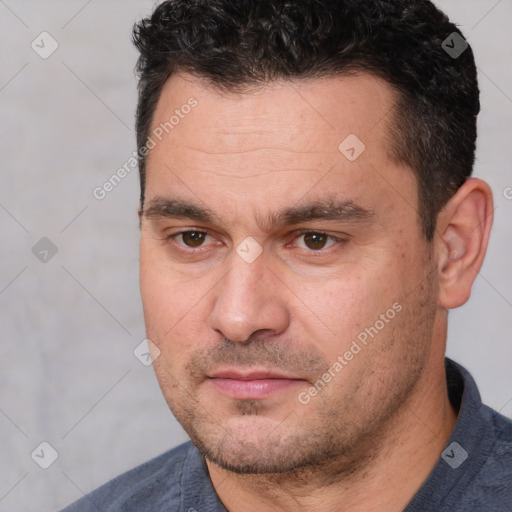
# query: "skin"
369,438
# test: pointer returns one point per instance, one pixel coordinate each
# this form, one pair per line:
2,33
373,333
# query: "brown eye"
193,238
315,241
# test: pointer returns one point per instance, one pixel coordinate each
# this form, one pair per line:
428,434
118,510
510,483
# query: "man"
307,220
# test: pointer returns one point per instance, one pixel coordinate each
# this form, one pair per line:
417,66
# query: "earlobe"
463,231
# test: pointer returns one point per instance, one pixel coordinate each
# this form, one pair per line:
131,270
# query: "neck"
392,464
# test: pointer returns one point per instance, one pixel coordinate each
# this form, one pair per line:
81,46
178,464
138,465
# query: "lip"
249,375
251,385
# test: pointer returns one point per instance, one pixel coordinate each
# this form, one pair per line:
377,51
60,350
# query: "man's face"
298,344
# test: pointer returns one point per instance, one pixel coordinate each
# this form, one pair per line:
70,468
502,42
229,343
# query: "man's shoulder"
152,483
490,486
502,427
486,476
499,432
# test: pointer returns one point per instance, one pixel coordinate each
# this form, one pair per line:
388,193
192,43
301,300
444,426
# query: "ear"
462,234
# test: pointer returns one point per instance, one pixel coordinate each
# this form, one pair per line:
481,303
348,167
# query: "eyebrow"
327,209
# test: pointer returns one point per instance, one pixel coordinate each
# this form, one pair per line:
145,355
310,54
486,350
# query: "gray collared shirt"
474,473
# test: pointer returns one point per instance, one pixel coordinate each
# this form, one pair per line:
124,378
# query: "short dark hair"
234,44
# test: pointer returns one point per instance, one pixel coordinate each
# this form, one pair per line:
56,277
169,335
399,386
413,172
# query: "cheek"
350,301
173,307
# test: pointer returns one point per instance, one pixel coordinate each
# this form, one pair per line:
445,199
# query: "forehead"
315,114
271,146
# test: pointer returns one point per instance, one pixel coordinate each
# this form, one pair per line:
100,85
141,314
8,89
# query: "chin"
257,445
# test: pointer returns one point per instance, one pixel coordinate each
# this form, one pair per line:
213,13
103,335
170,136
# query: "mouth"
251,385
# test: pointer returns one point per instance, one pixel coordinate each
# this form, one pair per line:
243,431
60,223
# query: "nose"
248,299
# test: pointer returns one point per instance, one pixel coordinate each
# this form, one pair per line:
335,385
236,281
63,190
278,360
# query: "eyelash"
298,234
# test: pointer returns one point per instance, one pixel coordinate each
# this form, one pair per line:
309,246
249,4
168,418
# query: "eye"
316,240
311,240
193,238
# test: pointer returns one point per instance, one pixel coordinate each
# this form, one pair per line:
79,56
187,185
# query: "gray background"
69,325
